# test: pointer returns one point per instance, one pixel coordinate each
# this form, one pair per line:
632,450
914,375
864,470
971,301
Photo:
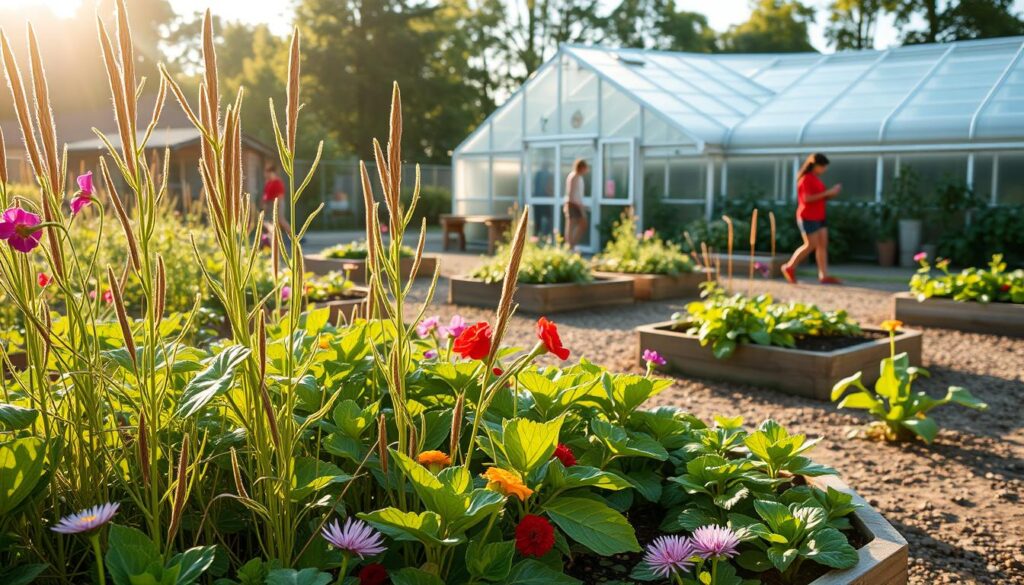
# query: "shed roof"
954,93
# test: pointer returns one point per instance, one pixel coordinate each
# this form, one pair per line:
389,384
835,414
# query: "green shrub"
971,284
357,251
433,202
646,254
543,263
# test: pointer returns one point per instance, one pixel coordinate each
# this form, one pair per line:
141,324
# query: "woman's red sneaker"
830,280
789,273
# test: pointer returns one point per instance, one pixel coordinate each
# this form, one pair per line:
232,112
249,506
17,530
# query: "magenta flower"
108,296
84,196
920,256
649,233
87,520
16,226
356,537
762,269
455,327
430,354
286,292
716,542
652,357
669,555
427,326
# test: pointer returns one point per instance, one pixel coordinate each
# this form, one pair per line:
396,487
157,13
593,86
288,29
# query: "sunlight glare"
62,8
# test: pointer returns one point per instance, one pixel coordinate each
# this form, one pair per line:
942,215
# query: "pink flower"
920,257
534,239
383,229
715,542
84,196
108,296
356,537
649,233
427,326
16,226
430,354
455,327
762,269
652,357
669,555
286,292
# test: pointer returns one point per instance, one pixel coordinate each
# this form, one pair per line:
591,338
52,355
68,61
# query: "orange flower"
891,325
325,342
506,483
435,461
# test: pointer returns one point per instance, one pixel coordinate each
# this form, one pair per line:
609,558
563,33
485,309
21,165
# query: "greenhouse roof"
955,93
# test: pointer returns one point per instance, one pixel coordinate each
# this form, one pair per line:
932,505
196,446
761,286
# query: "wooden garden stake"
728,223
753,240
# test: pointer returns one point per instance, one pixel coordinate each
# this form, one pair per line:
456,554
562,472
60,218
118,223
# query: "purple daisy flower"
87,520
455,327
16,226
668,555
652,357
356,537
427,326
715,542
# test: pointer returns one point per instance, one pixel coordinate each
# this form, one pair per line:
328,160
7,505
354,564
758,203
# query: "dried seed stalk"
728,223
143,448
181,490
236,472
122,316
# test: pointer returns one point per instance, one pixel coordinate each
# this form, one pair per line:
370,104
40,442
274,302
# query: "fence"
338,186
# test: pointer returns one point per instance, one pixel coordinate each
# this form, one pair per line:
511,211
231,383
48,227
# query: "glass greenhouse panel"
615,169
542,103
472,207
752,178
687,179
935,171
579,98
620,115
506,177
857,175
1011,179
984,167
658,131
479,142
507,125
1003,116
472,177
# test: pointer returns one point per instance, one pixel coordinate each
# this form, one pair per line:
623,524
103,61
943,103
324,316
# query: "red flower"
373,574
108,296
548,333
534,536
475,342
43,279
498,371
564,454
1005,287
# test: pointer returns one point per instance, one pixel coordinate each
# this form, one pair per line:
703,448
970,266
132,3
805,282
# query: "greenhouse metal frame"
673,132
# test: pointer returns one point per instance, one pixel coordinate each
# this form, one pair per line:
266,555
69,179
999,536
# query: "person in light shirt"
575,214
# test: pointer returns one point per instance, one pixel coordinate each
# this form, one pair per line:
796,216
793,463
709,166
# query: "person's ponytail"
811,162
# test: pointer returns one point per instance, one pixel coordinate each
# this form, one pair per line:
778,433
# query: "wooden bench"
497,226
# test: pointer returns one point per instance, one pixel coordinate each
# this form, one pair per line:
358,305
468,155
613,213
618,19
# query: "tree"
775,26
658,24
852,23
952,20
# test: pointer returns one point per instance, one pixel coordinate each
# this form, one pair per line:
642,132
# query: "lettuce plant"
994,285
723,321
901,412
644,253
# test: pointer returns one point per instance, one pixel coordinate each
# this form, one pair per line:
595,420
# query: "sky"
721,13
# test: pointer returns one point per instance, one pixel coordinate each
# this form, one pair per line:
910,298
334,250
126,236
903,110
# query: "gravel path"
958,502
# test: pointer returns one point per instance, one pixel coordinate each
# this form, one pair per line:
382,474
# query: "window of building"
506,173
858,176
752,178
1010,179
620,115
579,98
472,178
507,126
542,103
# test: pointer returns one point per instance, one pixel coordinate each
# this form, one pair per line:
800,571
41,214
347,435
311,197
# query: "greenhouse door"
614,173
548,165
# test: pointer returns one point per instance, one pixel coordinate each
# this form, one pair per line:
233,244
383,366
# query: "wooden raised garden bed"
882,559
741,264
342,308
603,291
995,318
804,372
319,264
655,287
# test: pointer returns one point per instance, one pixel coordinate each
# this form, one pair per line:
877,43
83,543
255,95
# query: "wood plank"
320,264
805,373
656,287
993,318
544,298
741,264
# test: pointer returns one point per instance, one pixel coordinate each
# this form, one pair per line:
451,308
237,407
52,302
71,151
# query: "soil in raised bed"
595,570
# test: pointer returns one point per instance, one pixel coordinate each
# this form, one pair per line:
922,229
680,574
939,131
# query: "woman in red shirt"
810,217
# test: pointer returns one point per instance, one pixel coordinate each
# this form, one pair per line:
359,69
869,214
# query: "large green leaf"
193,563
528,444
531,572
313,475
22,465
924,427
423,527
963,397
132,555
216,379
436,496
22,574
593,524
13,418
293,577
577,476
490,562
829,547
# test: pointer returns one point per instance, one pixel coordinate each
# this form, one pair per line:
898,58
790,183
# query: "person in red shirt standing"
273,192
810,217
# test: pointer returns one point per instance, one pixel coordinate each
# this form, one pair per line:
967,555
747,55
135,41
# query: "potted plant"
885,241
908,205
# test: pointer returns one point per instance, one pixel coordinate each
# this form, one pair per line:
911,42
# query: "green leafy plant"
995,285
358,250
901,412
723,321
547,262
643,253
330,286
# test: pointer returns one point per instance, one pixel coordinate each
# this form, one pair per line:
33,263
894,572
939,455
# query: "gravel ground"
958,501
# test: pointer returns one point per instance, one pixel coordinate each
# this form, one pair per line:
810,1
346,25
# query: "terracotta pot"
886,252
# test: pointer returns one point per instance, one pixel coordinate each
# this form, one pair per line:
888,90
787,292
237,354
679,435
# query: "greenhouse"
674,133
